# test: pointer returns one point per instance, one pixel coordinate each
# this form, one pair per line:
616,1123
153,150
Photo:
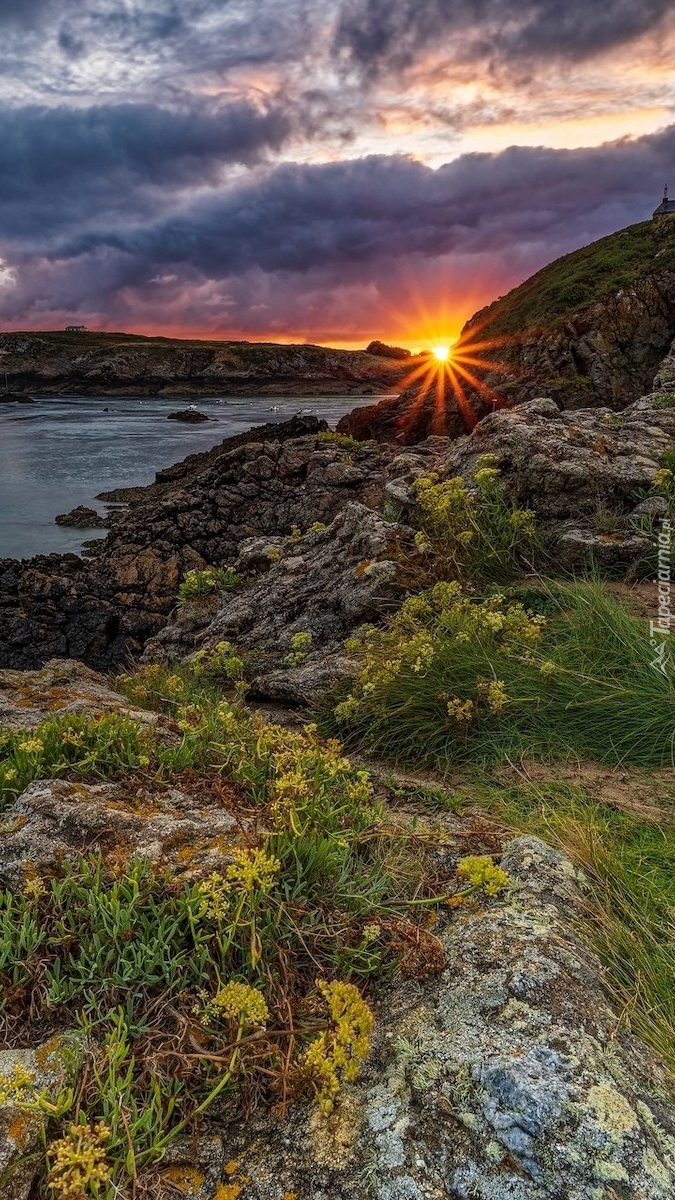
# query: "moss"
611,1111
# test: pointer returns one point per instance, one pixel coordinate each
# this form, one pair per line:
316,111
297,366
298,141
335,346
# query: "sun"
442,353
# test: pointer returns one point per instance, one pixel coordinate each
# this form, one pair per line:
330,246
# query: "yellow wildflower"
34,888
31,746
18,1086
336,1055
461,711
79,1162
252,871
480,872
237,1002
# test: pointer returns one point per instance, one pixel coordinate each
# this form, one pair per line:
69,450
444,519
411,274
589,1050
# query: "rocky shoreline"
214,508
99,364
495,1064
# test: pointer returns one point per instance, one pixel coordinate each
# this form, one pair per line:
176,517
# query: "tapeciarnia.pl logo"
659,628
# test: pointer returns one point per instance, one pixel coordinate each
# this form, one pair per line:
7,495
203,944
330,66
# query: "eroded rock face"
509,1078
324,585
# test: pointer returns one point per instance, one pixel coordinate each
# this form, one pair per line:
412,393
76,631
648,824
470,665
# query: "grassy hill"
582,278
589,329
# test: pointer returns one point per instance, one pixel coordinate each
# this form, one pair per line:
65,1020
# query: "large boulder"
565,464
61,687
323,585
509,1077
56,819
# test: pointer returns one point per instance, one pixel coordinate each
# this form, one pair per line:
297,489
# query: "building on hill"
666,205
76,329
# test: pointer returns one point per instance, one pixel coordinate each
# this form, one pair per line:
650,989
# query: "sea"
61,451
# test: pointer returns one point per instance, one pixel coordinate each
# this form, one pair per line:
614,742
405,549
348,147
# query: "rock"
507,1078
653,506
82,518
103,609
382,350
61,686
579,547
570,466
328,582
565,464
190,416
423,409
45,1068
15,398
55,819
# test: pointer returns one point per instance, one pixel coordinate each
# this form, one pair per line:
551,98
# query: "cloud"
357,212
319,247
63,165
391,33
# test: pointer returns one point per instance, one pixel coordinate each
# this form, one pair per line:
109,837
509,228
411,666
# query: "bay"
61,451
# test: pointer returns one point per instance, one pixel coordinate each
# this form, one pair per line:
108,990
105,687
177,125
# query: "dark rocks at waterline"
430,409
189,416
82,518
103,610
15,398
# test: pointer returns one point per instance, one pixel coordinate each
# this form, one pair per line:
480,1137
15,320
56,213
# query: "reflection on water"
60,452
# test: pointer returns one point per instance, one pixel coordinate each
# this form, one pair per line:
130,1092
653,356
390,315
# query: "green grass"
628,858
135,961
580,686
579,279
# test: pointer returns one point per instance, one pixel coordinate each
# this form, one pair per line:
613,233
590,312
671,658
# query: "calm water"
59,452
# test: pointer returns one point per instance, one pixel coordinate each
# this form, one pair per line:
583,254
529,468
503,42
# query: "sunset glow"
442,353
337,174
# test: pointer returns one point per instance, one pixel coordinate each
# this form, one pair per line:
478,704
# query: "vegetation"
247,982
486,668
579,279
553,671
203,583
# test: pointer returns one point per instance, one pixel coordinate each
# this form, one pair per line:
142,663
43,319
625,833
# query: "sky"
332,171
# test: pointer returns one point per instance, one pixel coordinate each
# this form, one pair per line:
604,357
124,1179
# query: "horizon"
294,177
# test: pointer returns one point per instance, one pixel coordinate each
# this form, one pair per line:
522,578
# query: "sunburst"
451,369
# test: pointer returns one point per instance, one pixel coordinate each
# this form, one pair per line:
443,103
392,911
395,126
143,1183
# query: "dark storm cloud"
59,165
376,33
353,214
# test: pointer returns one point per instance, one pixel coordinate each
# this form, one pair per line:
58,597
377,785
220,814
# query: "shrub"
473,531
203,583
340,439
452,678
